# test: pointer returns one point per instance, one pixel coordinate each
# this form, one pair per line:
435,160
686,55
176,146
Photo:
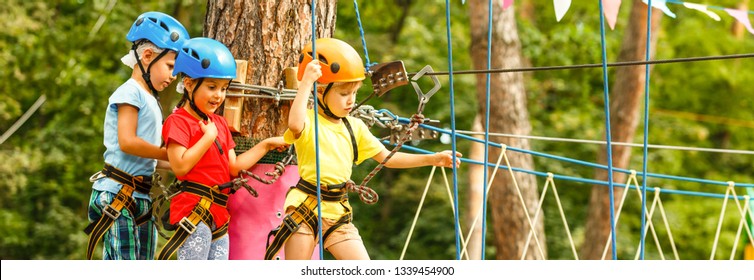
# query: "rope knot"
366,194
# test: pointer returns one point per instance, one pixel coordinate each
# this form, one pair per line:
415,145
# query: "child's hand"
209,129
445,158
276,143
312,72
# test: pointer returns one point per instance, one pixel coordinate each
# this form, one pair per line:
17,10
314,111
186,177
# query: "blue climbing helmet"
161,29
205,58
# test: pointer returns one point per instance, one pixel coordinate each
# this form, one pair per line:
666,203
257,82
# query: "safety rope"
368,195
361,32
456,218
486,192
453,209
551,182
728,191
608,131
279,169
610,239
487,97
418,210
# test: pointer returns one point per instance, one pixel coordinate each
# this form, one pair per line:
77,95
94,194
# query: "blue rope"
316,136
361,31
642,237
580,162
576,179
609,147
453,129
486,127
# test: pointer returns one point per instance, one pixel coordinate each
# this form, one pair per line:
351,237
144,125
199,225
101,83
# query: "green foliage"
61,50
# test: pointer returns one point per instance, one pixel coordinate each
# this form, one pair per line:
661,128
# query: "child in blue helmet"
120,207
201,152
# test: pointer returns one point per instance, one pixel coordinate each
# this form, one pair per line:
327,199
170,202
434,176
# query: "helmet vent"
335,67
139,21
321,58
164,26
205,63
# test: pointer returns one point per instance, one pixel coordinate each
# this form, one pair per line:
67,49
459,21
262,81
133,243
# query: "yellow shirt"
335,157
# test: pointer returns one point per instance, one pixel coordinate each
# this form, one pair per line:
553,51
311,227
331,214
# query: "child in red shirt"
201,152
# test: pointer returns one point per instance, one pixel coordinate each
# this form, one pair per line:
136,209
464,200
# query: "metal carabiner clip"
424,97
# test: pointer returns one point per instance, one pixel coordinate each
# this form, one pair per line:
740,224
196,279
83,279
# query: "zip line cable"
595,65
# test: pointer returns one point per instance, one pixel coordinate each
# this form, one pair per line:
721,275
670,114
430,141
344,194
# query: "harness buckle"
111,212
187,225
290,223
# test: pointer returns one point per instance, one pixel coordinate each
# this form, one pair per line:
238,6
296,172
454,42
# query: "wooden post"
234,105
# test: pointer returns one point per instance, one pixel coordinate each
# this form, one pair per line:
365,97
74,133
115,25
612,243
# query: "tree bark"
625,99
508,114
270,36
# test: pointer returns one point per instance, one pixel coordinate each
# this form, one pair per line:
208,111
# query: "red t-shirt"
212,169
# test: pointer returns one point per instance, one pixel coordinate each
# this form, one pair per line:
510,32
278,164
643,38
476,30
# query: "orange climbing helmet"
340,62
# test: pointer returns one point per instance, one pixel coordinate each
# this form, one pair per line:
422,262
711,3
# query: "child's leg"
147,232
300,246
345,242
349,250
197,245
119,241
220,248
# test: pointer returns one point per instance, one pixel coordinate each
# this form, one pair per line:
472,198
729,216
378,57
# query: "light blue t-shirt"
149,128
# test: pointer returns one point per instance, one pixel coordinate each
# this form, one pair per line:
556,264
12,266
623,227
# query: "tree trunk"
625,99
270,35
476,195
508,114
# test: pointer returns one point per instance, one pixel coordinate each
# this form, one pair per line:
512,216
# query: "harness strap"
303,213
327,192
353,139
187,225
210,193
143,184
123,199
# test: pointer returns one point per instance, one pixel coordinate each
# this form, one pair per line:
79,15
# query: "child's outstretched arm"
128,118
406,160
247,159
183,159
297,115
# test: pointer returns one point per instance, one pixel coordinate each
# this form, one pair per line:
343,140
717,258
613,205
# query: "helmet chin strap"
146,75
191,100
324,107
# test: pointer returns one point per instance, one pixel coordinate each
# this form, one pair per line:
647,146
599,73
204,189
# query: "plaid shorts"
125,240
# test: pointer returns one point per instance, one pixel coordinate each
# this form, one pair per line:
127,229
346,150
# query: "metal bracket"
424,97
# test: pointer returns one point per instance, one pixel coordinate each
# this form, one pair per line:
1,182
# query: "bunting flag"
703,9
611,8
561,7
742,17
507,3
662,5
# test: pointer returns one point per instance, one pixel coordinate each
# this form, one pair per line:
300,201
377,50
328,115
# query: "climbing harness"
304,213
201,212
123,200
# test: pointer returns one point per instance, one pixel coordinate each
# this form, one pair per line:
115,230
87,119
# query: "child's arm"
297,115
252,156
406,160
183,159
128,118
